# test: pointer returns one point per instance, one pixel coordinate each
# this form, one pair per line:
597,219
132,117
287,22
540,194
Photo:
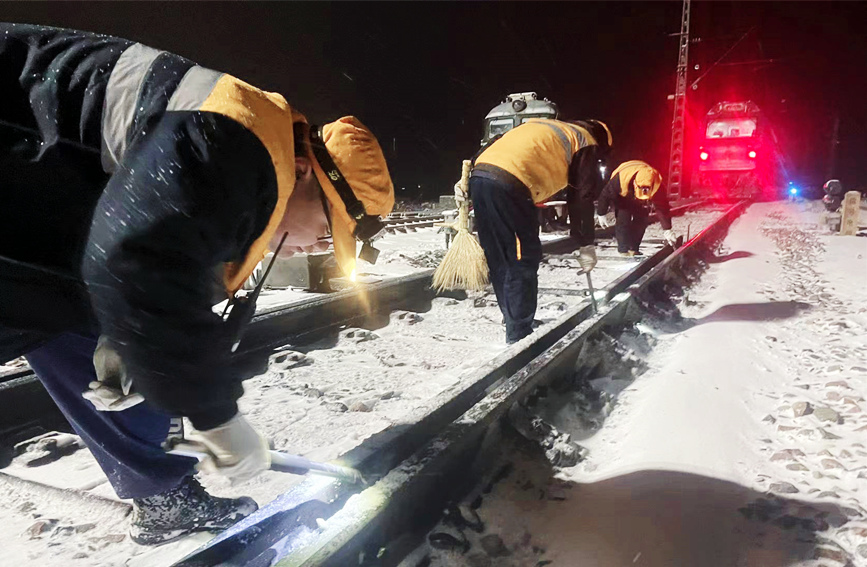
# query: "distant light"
791,182
704,156
793,191
752,154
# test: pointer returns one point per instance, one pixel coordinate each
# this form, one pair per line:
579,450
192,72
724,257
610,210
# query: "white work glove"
670,238
587,257
460,195
604,221
112,391
234,450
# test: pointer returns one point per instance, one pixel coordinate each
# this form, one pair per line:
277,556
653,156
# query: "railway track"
31,411
410,222
418,469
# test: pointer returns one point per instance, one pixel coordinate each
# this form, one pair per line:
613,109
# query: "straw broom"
464,265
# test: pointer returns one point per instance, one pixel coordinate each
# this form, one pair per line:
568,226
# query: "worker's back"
538,153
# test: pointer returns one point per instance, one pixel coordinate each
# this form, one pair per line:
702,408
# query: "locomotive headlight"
703,156
752,154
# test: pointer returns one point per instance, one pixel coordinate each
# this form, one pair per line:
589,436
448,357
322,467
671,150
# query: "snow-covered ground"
743,444
319,400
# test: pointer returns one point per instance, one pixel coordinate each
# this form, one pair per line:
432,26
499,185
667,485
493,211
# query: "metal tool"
592,293
281,462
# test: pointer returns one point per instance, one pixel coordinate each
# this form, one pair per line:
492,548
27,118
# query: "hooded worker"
139,188
525,166
634,188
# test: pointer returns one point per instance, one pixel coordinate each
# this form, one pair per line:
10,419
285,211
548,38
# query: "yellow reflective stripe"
518,245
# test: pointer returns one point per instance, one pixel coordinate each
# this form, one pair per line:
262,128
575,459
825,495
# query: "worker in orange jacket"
633,190
140,189
528,165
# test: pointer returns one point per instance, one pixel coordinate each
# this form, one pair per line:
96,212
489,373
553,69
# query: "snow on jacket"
130,177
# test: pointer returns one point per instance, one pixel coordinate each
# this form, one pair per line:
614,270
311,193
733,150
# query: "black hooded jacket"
121,200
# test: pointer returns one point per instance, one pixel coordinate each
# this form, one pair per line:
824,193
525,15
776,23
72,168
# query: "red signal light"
705,155
752,154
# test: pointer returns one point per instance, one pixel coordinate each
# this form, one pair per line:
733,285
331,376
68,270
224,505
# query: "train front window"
501,126
535,117
731,128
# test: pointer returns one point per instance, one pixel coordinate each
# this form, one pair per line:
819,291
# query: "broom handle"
464,209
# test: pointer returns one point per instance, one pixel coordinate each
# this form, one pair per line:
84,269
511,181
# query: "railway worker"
633,189
525,166
139,188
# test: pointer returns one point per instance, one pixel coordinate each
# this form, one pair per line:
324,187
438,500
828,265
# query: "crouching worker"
139,189
527,165
633,189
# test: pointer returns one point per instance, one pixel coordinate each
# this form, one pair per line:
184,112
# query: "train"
514,110
738,155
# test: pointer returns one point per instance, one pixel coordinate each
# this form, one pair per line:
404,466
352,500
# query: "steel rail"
282,526
382,519
269,328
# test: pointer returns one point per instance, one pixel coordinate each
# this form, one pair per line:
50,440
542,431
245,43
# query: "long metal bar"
277,326
382,452
410,498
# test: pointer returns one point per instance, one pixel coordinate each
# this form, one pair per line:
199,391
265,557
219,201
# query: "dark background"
422,76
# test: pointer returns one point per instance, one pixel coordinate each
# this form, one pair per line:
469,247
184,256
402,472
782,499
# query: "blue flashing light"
793,191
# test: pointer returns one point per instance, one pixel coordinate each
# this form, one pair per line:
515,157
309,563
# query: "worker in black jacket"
528,165
138,190
633,189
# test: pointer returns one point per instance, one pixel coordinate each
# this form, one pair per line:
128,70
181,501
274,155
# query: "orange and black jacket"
130,178
612,194
545,156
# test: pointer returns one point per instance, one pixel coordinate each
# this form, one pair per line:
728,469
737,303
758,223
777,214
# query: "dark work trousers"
126,444
504,215
632,221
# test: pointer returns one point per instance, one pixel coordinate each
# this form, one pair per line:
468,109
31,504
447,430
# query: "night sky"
422,76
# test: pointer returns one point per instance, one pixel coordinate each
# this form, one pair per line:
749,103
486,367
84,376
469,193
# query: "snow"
683,468
313,402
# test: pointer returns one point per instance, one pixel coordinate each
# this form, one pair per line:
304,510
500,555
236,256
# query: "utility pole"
678,124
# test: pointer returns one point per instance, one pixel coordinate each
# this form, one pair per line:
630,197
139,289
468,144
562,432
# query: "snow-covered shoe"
184,510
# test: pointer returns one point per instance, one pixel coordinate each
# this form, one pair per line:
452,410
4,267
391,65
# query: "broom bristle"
464,265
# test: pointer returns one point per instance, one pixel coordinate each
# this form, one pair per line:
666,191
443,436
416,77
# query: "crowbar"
592,293
280,461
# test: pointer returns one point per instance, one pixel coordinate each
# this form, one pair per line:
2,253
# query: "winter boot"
184,510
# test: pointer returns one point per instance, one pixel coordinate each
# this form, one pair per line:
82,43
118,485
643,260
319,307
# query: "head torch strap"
366,226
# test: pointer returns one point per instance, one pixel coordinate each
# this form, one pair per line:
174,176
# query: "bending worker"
139,189
527,165
633,189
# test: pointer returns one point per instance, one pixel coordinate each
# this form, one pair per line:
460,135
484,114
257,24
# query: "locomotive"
513,111
738,155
